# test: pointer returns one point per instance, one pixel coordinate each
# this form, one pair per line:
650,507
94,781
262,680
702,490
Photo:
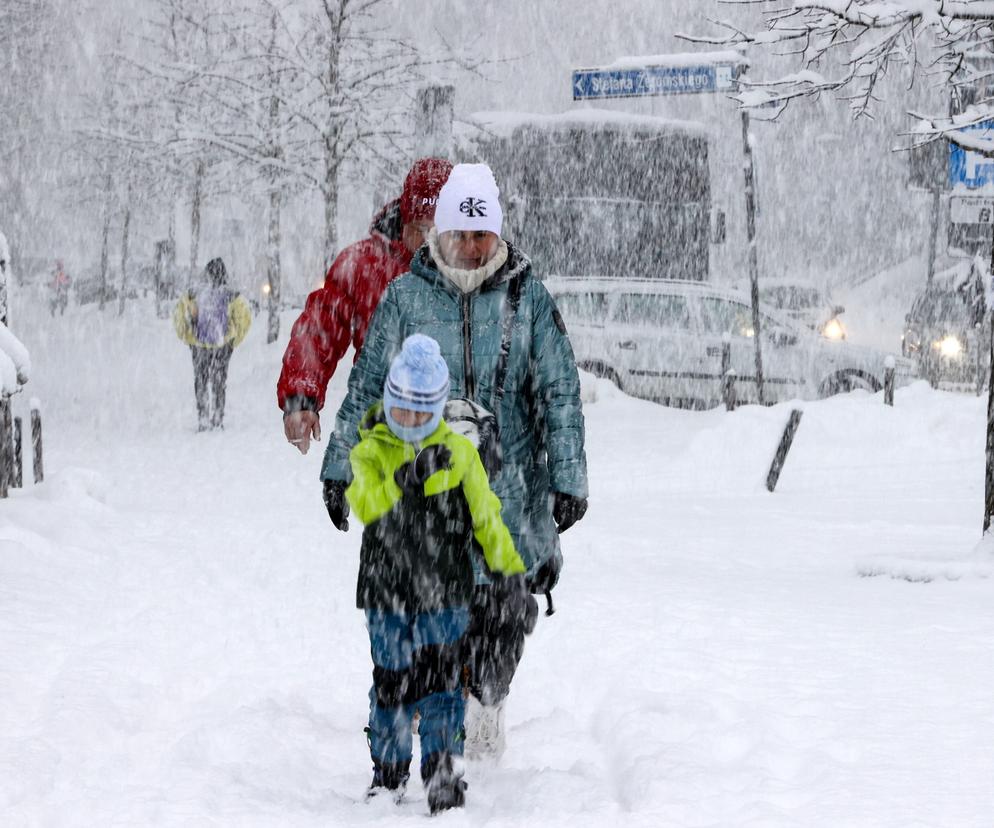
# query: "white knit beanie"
469,201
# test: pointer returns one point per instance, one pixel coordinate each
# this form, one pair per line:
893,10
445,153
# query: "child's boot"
444,785
389,777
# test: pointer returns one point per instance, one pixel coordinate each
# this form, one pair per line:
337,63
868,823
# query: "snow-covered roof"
678,60
504,123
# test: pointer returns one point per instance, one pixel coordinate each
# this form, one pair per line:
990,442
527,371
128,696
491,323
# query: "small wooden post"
728,374
728,389
18,481
6,446
36,441
785,442
890,365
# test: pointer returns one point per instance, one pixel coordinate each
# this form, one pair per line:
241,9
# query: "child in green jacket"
423,495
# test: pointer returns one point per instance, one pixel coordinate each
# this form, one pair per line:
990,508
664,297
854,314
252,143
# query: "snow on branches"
951,41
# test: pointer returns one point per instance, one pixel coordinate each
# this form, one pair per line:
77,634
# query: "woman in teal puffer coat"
456,294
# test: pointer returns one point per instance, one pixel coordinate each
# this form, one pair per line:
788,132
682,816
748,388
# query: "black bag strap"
510,311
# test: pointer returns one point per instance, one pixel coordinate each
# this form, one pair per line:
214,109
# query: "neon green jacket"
417,547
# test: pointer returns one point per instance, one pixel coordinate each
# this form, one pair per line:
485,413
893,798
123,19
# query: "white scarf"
467,280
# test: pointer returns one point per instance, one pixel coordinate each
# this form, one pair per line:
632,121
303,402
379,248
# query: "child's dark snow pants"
417,661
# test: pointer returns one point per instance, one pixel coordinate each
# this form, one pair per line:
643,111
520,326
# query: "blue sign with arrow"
971,169
653,80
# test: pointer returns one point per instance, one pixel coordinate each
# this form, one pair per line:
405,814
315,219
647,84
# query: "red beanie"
417,201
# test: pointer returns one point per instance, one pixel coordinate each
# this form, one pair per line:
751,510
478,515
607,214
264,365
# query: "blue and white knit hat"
418,381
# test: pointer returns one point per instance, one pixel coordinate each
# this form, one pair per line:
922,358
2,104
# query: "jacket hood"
423,265
387,227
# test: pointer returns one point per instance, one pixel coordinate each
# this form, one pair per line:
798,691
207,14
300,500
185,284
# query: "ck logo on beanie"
469,201
473,207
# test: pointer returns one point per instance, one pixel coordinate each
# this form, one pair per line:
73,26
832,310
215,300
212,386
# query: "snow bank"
15,363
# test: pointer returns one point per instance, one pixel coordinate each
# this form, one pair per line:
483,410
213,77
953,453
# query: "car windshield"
938,306
582,307
728,316
653,310
793,297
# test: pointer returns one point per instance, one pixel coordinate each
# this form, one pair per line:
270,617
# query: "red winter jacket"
339,312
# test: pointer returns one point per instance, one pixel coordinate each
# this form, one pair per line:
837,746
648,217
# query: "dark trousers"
499,620
210,377
415,667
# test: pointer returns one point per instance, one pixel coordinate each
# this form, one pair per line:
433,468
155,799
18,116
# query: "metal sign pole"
989,470
933,233
750,196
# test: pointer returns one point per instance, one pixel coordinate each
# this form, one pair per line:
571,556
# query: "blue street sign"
653,80
971,169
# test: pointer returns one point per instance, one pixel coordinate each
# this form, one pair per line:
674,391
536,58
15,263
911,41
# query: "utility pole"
750,197
933,232
989,470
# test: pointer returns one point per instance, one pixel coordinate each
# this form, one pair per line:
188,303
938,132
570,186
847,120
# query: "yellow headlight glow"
833,330
949,346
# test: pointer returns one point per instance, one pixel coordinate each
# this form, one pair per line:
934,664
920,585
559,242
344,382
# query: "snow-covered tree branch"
948,42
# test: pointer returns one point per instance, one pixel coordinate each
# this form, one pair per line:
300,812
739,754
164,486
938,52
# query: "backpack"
479,426
210,322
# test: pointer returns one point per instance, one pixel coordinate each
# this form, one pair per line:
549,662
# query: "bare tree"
249,93
298,93
356,81
36,45
938,39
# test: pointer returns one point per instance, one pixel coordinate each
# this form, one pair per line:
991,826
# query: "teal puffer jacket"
541,421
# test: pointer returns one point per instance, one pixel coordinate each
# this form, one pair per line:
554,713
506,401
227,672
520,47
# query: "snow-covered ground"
179,643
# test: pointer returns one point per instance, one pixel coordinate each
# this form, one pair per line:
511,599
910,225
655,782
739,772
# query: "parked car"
946,331
662,340
805,304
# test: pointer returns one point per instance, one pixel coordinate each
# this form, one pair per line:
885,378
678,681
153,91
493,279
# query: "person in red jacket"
338,313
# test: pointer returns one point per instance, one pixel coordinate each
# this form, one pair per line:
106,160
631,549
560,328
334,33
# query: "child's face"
409,419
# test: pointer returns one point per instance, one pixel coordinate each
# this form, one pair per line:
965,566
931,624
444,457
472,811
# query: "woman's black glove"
412,476
567,509
514,603
336,504
547,575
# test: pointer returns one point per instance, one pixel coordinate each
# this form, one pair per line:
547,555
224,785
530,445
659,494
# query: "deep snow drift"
179,643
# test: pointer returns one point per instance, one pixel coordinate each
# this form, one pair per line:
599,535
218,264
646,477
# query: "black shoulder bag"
474,421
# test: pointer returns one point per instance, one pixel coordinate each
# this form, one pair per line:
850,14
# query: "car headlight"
833,329
949,346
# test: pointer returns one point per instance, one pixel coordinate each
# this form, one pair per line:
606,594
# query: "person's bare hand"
301,427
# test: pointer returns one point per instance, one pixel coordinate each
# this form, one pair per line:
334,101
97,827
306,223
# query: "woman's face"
413,234
467,249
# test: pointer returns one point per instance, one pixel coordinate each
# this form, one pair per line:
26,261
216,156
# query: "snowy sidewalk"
179,643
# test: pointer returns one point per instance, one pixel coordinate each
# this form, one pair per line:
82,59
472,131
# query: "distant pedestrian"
213,320
60,289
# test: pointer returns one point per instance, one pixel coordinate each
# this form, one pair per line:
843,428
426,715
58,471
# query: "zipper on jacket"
467,345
